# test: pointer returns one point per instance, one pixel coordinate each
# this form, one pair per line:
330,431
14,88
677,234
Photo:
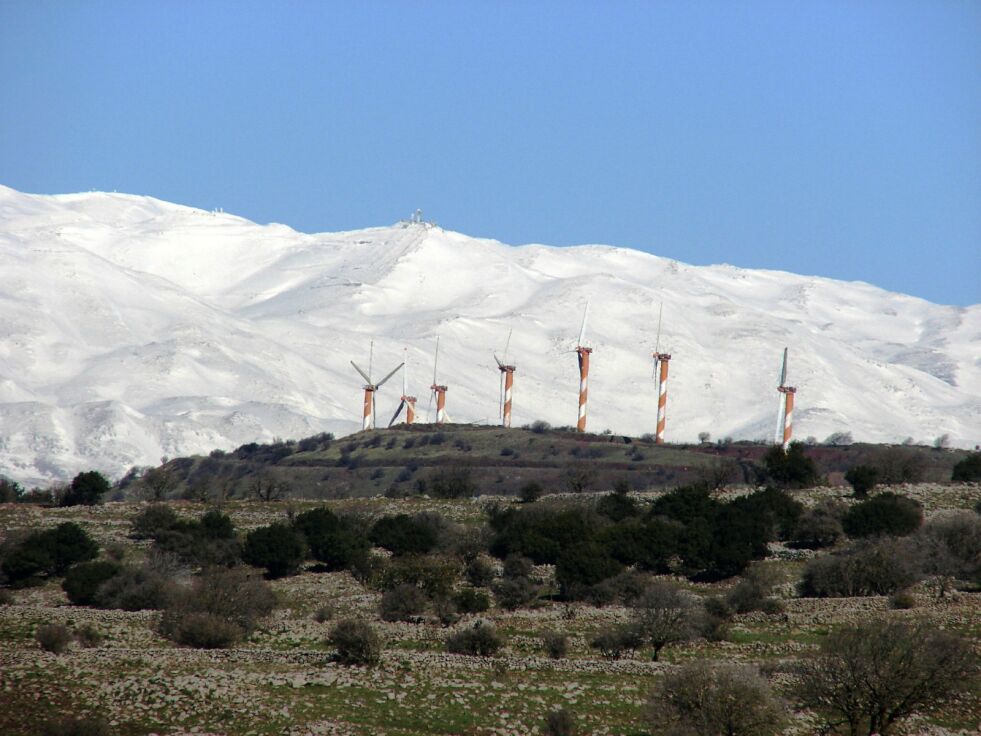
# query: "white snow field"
132,328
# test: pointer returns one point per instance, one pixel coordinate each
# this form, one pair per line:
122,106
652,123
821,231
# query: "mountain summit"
134,328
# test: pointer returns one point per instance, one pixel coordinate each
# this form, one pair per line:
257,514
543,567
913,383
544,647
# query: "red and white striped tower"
440,392
583,385
583,354
368,421
507,372
788,413
410,409
407,402
662,395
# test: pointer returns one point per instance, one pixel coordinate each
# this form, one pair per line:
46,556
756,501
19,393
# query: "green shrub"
204,631
454,482
752,593
403,603
323,614
880,567
514,593
790,468
82,581
617,506
54,638
49,552
560,723
819,526
356,643
86,489
556,644
862,479
582,566
435,575
332,540
530,492
278,547
470,600
403,534
884,514
968,470
152,521
480,572
902,600
136,589
481,639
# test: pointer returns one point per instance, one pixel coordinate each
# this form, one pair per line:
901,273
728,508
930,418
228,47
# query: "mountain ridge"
135,328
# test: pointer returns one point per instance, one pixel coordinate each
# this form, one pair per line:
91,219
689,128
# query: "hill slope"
133,328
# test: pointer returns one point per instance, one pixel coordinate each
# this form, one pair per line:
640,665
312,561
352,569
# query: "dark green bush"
48,552
54,638
967,470
582,566
332,540
278,547
480,572
434,574
617,506
73,726
204,631
790,468
356,643
530,492
481,639
884,514
136,589
87,489
778,508
153,520
556,644
82,581
470,600
403,603
560,723
403,534
862,479
454,482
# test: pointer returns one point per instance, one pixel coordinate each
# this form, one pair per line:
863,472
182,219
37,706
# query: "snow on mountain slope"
133,328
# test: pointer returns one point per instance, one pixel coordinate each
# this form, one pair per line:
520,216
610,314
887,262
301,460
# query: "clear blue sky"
834,138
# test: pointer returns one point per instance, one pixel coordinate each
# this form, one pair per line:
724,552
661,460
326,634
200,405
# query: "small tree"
790,469
278,548
158,483
87,489
82,581
705,700
862,479
356,643
871,676
665,616
403,603
482,640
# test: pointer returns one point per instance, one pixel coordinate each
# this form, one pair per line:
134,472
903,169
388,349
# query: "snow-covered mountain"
133,328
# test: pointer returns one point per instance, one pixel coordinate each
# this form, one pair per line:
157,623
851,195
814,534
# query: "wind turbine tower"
407,402
507,378
368,419
661,370
583,353
438,391
785,410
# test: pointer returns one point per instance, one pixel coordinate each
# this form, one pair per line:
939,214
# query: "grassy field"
282,680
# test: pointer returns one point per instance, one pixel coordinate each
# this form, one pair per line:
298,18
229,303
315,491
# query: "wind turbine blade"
429,409
378,385
783,371
654,371
397,412
778,433
500,399
371,359
374,412
507,344
660,312
405,372
363,374
499,363
435,358
582,330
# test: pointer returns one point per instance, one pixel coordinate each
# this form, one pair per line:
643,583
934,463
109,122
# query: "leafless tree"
666,615
158,483
869,677
700,699
266,488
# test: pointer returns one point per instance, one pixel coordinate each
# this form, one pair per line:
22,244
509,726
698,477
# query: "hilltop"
134,329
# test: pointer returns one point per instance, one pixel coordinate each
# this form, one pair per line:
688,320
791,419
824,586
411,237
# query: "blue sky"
840,139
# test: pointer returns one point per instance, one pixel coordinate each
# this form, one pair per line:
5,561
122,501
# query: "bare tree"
666,615
266,488
158,483
869,677
704,700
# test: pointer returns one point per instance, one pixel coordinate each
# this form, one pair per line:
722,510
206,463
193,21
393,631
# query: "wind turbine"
408,402
661,362
368,420
583,353
507,383
438,390
785,408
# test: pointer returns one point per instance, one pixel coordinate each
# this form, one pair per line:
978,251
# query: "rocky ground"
282,680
